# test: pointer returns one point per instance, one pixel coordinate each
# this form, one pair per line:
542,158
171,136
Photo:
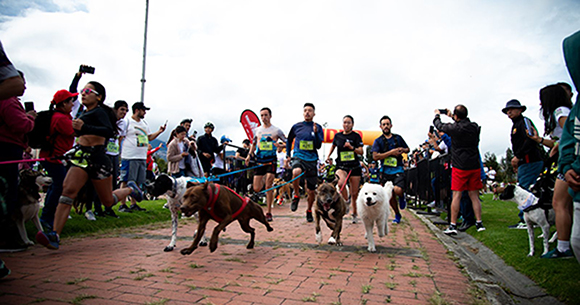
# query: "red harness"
213,196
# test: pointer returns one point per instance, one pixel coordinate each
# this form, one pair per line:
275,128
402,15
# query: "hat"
140,105
209,124
62,95
513,104
246,141
224,139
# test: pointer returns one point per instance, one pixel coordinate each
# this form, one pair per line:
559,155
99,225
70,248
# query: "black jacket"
526,149
464,142
208,144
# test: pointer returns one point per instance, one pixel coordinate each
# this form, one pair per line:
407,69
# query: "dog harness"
213,196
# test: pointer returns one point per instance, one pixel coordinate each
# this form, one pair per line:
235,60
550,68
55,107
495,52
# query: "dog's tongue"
326,206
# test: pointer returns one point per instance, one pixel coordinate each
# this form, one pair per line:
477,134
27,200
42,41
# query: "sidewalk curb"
501,283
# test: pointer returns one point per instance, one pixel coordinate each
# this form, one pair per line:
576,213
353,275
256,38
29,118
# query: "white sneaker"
354,219
90,216
431,204
451,230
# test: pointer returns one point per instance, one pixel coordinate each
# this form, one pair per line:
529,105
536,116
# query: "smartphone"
529,126
87,69
443,111
431,129
28,106
165,123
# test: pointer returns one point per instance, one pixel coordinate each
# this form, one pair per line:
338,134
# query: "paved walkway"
286,267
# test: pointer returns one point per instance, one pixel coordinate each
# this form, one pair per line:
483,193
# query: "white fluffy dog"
373,207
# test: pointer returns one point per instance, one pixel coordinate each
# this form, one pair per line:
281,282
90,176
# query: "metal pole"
144,52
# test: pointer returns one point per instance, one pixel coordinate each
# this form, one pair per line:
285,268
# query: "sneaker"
452,230
309,216
402,202
166,206
48,239
268,217
136,192
464,226
354,218
557,254
90,215
109,212
431,204
124,209
4,271
397,219
135,207
479,226
294,205
519,225
45,225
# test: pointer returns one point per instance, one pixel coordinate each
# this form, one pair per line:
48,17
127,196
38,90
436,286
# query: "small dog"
534,213
283,192
29,188
218,202
174,189
331,207
373,207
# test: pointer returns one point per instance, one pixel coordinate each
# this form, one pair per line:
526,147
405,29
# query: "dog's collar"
528,203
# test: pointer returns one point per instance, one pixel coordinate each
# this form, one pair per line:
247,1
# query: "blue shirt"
390,165
306,142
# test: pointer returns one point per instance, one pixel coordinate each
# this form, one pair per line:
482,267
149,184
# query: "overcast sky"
210,60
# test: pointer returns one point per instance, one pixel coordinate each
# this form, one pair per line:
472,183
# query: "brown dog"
331,207
218,202
285,191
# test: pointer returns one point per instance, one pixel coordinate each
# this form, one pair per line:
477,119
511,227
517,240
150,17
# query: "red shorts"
466,180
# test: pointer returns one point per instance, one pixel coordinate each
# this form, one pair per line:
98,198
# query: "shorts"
133,170
309,170
354,172
465,180
93,160
397,179
267,169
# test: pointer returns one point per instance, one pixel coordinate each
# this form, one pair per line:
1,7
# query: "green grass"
558,276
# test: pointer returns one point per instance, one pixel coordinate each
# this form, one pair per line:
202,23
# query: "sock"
115,199
479,222
563,245
452,225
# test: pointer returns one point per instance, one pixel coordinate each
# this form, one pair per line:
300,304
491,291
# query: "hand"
247,160
77,124
515,162
573,180
534,135
162,128
184,154
160,144
348,145
32,113
315,127
207,155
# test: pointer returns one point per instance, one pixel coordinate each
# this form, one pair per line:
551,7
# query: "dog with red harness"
220,203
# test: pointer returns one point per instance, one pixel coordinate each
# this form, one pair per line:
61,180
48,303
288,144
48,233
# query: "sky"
210,60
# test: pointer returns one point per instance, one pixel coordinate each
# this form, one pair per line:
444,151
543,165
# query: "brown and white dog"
331,207
29,188
218,202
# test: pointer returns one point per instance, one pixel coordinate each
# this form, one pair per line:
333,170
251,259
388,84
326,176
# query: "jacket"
14,122
464,142
524,148
192,166
62,131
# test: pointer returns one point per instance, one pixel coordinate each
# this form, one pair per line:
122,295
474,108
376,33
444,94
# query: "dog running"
373,208
331,207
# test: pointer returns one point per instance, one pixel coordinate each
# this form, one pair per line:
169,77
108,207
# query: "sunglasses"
89,91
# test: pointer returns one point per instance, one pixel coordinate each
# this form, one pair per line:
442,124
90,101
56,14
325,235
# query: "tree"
162,164
491,161
507,173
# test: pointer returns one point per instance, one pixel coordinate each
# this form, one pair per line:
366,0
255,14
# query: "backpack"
40,136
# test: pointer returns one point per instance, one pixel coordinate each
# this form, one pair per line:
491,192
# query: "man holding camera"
466,170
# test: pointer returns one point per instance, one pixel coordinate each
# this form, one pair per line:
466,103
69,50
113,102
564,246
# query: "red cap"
62,95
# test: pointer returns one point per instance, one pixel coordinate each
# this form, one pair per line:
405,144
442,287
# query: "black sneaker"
452,230
479,226
309,216
269,217
464,226
124,209
109,212
294,205
135,207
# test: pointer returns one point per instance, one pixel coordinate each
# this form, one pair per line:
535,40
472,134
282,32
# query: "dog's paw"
270,229
212,246
28,243
203,242
169,248
318,237
186,251
250,245
531,254
541,236
338,243
372,249
331,241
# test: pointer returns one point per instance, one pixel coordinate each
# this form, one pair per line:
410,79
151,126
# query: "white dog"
534,213
373,207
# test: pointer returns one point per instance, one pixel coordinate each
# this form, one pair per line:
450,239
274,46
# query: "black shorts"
309,168
354,171
397,179
267,169
94,161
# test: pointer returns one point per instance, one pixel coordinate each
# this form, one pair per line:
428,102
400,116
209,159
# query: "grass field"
560,277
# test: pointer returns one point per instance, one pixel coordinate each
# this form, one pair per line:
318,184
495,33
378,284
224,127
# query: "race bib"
265,145
306,145
390,162
112,147
347,156
142,140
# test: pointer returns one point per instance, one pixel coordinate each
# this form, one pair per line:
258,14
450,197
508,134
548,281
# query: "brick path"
286,267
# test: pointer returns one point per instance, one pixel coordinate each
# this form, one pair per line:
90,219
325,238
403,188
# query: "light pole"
144,52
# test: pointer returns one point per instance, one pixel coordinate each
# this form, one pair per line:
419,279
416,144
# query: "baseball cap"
225,139
62,95
139,105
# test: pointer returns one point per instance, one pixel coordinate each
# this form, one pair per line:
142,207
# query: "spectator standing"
134,151
240,163
180,162
527,161
207,145
466,164
219,166
389,149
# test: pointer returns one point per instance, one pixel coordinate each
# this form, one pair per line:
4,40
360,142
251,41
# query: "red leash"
345,180
22,161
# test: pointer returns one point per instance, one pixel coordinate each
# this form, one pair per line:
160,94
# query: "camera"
87,69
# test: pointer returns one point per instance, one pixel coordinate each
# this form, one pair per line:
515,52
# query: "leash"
281,185
242,170
345,181
217,178
23,161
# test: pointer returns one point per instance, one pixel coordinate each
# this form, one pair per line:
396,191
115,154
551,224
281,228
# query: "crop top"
96,122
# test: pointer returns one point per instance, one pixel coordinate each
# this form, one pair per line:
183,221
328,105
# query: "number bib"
112,147
307,145
265,145
142,140
347,156
390,161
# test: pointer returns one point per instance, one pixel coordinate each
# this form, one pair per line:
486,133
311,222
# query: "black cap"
139,105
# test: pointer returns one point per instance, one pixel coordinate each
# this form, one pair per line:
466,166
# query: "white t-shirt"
181,146
281,156
218,163
136,140
113,146
491,174
562,111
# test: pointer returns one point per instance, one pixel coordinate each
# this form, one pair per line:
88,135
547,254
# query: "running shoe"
135,207
109,212
402,202
294,205
268,217
479,226
520,225
557,254
48,239
452,230
136,192
397,219
464,226
124,209
89,215
309,216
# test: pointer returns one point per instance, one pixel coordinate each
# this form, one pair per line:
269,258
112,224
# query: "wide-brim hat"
513,104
